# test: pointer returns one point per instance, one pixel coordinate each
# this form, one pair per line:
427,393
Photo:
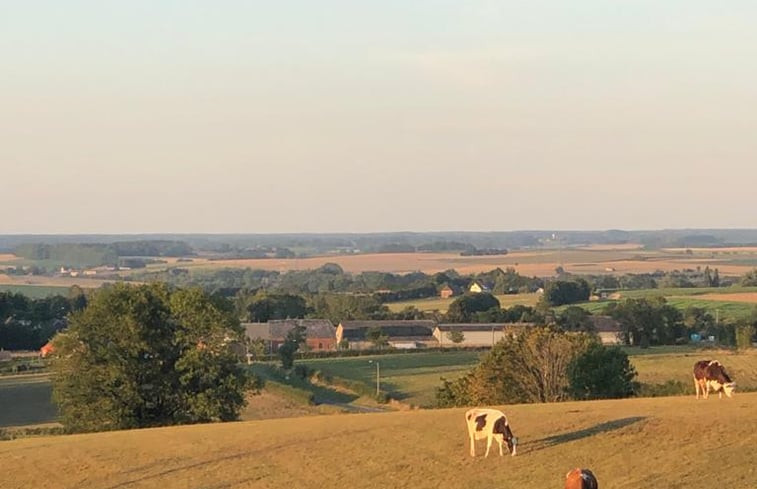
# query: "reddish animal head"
580,479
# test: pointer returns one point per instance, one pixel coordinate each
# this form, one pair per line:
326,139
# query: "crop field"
628,444
441,305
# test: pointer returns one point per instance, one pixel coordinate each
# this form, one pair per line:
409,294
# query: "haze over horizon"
237,117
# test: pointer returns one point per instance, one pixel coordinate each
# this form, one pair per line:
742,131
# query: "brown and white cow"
581,479
710,374
489,424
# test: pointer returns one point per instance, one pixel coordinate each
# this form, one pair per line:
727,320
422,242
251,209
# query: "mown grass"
628,444
35,291
441,305
26,400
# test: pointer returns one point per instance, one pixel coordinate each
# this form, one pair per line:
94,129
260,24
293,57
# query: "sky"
351,116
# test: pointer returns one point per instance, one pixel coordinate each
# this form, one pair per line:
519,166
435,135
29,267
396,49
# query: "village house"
478,287
447,291
608,330
400,334
320,334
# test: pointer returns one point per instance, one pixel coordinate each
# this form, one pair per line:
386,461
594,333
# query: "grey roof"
605,324
277,329
314,328
470,326
355,330
257,330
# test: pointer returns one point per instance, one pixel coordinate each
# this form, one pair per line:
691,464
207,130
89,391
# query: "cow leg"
720,394
488,445
706,389
500,440
472,446
696,386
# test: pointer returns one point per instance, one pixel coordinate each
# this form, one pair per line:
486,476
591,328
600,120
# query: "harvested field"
750,297
726,249
7,258
529,262
612,247
41,280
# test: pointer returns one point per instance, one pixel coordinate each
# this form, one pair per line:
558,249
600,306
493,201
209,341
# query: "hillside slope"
662,442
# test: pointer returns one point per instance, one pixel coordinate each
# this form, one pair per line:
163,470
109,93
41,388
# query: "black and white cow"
710,374
489,424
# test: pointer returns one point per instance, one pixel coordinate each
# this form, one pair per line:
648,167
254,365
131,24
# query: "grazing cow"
581,479
711,374
492,425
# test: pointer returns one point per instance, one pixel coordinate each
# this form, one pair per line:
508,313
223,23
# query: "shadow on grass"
613,425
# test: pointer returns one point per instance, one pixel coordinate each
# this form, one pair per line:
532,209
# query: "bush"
601,373
529,367
744,334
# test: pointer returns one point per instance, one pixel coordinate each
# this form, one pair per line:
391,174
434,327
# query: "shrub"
601,373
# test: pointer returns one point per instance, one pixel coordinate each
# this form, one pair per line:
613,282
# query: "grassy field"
414,378
25,400
728,303
410,378
34,291
441,305
628,444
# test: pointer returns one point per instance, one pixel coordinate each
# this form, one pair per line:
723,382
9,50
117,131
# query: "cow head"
510,440
729,388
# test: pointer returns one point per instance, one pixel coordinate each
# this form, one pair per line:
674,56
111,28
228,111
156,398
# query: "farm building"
479,334
320,334
400,334
608,329
448,291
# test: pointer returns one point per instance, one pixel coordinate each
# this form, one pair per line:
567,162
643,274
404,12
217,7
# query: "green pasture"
441,305
35,291
26,400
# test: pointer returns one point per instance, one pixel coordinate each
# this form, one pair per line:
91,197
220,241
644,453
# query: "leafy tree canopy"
147,355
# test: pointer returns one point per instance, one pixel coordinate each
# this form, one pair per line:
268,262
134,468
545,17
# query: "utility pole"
378,378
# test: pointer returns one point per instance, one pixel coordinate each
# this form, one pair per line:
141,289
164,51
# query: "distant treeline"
93,254
310,244
27,324
331,278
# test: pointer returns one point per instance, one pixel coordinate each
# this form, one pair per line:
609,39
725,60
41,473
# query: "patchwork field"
594,259
441,305
413,378
410,378
43,281
628,444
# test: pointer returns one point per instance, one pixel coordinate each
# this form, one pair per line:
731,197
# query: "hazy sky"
304,116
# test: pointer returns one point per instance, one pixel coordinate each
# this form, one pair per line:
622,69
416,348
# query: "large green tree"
464,308
147,355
